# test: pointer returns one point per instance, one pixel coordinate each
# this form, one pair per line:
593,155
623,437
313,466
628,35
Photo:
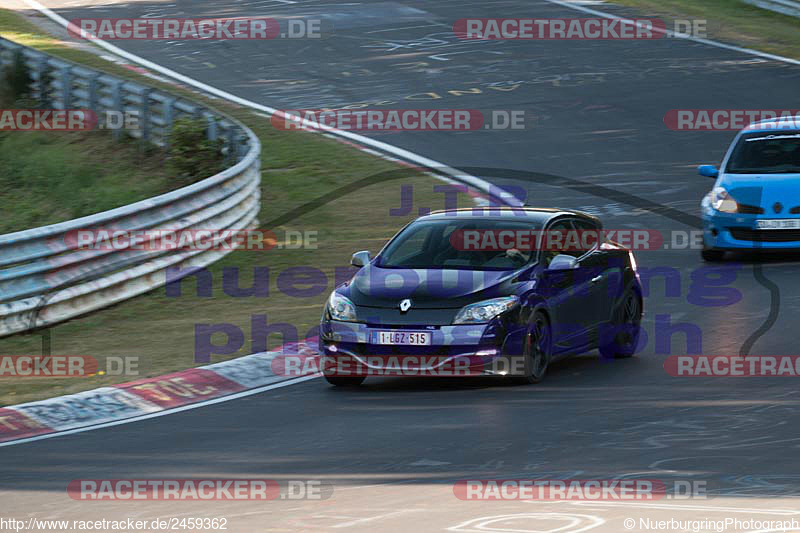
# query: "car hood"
764,190
373,286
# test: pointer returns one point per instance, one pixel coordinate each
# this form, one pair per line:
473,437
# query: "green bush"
192,156
16,83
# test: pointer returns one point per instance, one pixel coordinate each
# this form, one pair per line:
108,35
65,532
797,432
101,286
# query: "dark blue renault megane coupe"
483,291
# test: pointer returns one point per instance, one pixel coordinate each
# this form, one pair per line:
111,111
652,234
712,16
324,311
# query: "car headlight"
485,311
341,308
722,201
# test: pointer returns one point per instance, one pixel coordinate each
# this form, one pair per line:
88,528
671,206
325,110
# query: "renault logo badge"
405,305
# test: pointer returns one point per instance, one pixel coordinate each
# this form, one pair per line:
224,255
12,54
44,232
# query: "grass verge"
731,21
296,167
48,177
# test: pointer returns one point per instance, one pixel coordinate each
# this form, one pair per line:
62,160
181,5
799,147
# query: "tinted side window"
589,232
552,247
581,224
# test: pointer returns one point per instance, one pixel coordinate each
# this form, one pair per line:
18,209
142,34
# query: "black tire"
624,337
345,381
712,256
536,349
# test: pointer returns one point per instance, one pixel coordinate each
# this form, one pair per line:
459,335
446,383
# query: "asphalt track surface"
392,449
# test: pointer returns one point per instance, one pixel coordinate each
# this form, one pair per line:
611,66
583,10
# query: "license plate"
403,338
783,223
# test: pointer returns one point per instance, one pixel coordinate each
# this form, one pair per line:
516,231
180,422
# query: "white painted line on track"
234,396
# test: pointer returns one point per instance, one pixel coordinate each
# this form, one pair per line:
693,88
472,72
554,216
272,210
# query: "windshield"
434,244
766,153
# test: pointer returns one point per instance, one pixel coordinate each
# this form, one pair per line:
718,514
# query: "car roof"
535,214
771,124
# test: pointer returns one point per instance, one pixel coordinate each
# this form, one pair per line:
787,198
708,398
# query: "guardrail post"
232,140
241,147
212,133
94,96
169,120
43,70
144,116
116,98
66,86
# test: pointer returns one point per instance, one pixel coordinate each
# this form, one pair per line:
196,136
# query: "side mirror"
360,258
563,262
709,171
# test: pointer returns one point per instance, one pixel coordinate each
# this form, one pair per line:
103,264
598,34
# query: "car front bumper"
724,231
456,350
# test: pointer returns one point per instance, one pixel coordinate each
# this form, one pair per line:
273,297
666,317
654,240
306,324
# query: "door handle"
596,279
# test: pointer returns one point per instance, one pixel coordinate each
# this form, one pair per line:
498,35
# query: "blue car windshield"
766,153
467,244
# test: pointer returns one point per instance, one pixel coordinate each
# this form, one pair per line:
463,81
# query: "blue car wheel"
625,332
537,349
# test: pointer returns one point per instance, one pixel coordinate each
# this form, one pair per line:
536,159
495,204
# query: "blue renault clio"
755,202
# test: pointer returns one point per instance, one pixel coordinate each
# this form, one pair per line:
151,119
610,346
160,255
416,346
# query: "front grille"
795,210
760,235
366,350
750,209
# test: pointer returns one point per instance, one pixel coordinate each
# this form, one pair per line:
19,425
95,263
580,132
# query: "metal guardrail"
786,7
45,280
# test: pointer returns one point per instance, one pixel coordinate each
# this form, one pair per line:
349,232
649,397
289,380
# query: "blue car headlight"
341,308
722,201
486,310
